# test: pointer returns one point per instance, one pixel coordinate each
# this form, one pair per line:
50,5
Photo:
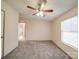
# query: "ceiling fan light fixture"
40,13
40,10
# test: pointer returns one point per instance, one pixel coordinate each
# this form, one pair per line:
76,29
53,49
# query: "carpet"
37,50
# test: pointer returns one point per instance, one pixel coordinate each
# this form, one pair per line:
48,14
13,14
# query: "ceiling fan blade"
31,7
48,10
34,13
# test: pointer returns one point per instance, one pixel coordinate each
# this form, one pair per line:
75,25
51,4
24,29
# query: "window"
69,32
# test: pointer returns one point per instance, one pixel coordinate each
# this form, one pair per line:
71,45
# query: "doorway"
21,31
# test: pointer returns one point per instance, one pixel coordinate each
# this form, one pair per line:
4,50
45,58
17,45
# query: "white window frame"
65,42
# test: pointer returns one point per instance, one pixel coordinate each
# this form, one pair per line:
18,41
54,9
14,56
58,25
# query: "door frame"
3,35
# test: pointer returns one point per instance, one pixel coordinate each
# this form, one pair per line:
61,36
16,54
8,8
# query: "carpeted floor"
37,50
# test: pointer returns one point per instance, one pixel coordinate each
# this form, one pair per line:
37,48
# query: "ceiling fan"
40,10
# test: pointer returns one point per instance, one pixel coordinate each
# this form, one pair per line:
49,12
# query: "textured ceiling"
59,7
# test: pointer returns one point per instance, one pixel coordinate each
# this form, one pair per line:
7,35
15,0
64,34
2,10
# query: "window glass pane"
70,24
70,38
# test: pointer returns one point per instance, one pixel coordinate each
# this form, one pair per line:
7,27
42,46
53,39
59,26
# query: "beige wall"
56,34
11,23
37,29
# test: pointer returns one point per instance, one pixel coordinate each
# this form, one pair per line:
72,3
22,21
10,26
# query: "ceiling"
59,7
